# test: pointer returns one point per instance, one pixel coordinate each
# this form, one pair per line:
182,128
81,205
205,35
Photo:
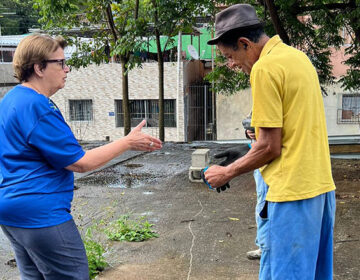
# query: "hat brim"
216,40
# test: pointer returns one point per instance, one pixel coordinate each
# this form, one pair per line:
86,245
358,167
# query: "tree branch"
332,6
111,22
136,14
276,21
354,22
296,10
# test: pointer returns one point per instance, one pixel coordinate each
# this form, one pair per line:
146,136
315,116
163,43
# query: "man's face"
239,59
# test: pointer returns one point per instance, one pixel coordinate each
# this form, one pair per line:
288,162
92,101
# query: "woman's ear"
38,69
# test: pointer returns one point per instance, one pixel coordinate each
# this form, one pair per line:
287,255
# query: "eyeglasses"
61,62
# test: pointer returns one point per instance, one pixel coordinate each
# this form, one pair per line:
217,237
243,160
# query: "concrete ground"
202,234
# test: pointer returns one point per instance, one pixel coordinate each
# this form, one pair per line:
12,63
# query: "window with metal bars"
350,111
7,54
81,110
149,110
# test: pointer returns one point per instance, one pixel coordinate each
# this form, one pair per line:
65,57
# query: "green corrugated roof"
205,49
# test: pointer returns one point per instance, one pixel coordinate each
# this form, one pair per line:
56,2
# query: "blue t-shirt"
35,145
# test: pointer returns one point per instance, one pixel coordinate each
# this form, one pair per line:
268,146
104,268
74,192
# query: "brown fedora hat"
234,17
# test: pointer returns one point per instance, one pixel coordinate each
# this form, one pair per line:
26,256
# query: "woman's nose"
67,69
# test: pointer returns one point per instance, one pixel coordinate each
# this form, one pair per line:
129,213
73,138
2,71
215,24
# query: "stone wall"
7,74
231,110
7,80
103,85
333,105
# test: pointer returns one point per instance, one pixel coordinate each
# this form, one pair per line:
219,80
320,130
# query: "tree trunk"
161,75
161,87
124,75
276,21
354,23
125,96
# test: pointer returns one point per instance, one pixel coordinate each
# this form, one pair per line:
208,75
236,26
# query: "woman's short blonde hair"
34,49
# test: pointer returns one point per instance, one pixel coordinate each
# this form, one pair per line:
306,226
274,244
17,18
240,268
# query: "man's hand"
223,188
218,189
232,154
250,134
215,175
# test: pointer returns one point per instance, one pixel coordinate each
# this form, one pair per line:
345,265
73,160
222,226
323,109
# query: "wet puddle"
142,171
122,181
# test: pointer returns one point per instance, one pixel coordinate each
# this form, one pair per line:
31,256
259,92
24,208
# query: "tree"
111,24
168,18
314,26
17,17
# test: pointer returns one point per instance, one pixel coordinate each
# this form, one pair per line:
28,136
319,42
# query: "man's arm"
266,149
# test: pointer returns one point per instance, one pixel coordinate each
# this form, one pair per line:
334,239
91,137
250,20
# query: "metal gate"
200,112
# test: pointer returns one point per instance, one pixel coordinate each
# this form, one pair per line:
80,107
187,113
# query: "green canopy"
205,49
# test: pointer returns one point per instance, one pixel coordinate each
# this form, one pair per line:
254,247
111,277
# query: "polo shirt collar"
273,41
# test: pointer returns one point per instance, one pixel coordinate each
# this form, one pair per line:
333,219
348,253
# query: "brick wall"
103,85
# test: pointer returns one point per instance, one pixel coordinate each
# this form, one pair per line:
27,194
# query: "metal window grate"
350,112
149,110
81,110
200,113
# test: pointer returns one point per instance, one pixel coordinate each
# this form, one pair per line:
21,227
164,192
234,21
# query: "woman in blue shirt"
38,155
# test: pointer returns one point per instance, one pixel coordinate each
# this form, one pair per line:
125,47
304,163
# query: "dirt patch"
108,178
202,234
346,174
220,244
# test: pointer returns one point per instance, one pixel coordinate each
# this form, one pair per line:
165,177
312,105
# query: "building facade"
91,101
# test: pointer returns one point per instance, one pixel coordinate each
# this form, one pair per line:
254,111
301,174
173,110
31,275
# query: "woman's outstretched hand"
139,141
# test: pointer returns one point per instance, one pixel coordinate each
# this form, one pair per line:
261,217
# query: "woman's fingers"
153,143
143,142
140,125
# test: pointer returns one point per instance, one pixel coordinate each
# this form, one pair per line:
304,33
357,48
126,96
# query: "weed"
95,254
124,229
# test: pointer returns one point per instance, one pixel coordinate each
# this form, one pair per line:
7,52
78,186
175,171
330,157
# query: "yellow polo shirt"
286,93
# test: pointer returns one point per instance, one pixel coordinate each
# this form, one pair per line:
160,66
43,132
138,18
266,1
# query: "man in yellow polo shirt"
292,151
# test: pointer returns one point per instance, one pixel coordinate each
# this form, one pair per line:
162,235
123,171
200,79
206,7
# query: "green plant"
95,254
124,229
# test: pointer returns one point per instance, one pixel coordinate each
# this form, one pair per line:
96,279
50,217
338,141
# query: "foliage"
90,19
124,229
114,27
315,27
167,18
351,80
95,254
226,80
87,18
174,16
17,16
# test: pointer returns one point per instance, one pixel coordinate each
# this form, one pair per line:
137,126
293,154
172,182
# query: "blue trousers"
261,191
51,253
296,239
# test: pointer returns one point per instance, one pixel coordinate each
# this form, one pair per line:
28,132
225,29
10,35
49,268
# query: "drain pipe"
179,48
